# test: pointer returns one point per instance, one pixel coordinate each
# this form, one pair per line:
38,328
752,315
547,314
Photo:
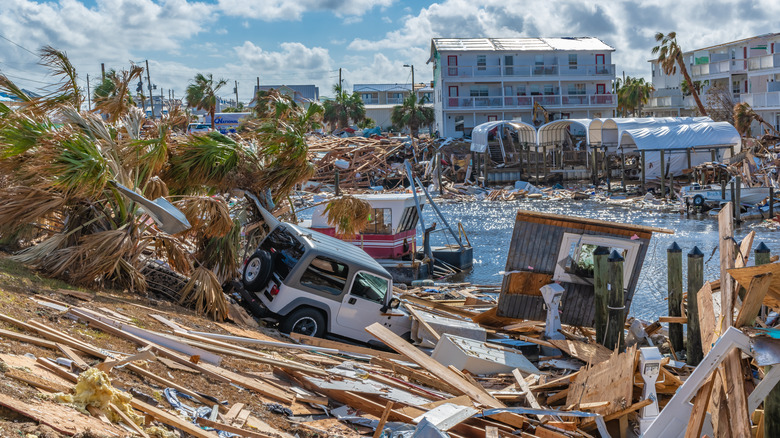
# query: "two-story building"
535,80
749,69
379,99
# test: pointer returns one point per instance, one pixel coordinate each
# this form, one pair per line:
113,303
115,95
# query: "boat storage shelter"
479,136
683,145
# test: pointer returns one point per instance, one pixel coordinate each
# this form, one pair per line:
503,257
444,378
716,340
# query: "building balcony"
529,71
527,102
770,100
765,62
666,102
395,100
371,101
735,66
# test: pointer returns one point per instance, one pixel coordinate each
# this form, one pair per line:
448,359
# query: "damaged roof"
518,44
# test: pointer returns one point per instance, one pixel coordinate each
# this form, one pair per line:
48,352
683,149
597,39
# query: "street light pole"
412,66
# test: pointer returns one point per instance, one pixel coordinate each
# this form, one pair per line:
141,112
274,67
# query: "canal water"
489,227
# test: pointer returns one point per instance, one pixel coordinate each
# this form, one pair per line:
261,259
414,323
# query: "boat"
700,195
391,238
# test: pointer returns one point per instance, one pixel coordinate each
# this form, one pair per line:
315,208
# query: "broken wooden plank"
707,323
403,347
346,348
231,429
699,412
588,353
383,419
754,299
136,428
418,376
609,381
28,339
171,419
422,322
527,391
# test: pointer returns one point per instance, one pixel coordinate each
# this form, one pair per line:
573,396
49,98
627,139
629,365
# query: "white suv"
315,284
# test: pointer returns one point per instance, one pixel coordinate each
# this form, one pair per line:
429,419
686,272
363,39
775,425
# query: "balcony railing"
761,100
371,101
528,101
666,102
764,62
545,71
395,100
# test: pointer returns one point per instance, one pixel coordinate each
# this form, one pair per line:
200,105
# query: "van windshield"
285,250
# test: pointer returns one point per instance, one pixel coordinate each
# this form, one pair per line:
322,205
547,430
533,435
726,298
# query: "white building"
379,99
748,68
477,80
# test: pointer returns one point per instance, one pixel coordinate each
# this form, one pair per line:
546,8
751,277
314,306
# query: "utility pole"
236,90
103,70
149,83
412,66
339,78
89,98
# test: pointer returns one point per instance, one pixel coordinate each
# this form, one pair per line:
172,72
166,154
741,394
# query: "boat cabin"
391,229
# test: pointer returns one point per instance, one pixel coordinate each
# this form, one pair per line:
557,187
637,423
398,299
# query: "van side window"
370,287
326,275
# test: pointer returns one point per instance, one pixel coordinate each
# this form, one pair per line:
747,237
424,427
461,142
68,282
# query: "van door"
362,306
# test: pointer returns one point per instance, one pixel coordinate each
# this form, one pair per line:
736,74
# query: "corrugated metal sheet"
361,88
519,44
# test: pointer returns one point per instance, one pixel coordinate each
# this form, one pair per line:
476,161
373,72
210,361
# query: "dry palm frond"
349,215
21,206
68,92
744,116
204,291
35,254
133,121
209,216
203,160
155,188
221,253
119,101
167,247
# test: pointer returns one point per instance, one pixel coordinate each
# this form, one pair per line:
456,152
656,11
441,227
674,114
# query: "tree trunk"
692,87
212,110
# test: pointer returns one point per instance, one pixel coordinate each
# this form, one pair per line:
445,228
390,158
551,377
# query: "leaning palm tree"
201,94
343,108
744,116
113,97
670,57
412,114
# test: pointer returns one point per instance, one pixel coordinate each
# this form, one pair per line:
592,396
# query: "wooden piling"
688,157
595,166
622,169
600,280
663,176
614,337
644,169
674,277
723,189
438,172
772,400
771,202
338,182
695,282
536,164
738,195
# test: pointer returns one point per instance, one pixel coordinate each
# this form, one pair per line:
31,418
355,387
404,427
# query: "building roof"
309,92
381,87
518,44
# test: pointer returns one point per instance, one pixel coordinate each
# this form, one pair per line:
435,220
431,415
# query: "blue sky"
307,41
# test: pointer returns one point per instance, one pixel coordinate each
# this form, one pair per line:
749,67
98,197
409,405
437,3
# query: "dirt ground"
18,287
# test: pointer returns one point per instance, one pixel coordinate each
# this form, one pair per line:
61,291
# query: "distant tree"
201,94
686,89
113,97
720,103
413,114
670,56
632,95
366,123
234,109
343,108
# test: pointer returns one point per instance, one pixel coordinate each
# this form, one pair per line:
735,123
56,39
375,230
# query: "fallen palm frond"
202,160
349,215
22,206
119,101
204,291
221,253
209,216
155,188
35,254
171,249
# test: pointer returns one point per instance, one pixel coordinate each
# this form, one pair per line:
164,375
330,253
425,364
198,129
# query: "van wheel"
305,321
257,271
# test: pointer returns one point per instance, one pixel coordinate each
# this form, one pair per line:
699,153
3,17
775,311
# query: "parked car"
198,127
317,285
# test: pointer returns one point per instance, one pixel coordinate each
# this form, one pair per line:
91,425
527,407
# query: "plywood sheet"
61,418
527,283
588,353
611,380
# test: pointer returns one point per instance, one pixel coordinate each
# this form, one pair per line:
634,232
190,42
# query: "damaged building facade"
536,80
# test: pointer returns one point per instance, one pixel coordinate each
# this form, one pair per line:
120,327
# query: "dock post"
663,176
614,338
695,282
713,155
643,172
438,172
600,280
733,200
772,400
674,283
688,156
338,181
771,202
723,189
738,196
594,166
536,164
762,254
622,169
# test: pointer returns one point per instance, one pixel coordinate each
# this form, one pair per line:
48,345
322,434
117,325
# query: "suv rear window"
285,250
326,275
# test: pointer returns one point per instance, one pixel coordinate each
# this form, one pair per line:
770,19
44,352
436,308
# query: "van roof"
332,247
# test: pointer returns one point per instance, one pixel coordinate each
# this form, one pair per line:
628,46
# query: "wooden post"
723,189
486,159
594,165
688,156
663,176
616,302
674,277
643,172
622,169
738,202
771,202
714,155
772,400
695,282
438,172
600,280
762,254
338,179
536,164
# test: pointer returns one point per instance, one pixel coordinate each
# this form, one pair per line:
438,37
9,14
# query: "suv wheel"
305,321
257,271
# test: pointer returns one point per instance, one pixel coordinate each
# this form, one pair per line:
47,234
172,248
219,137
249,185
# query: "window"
539,60
397,96
325,275
573,61
410,217
575,259
370,287
576,89
460,123
492,118
478,91
285,250
481,62
380,221
368,97
521,90
548,90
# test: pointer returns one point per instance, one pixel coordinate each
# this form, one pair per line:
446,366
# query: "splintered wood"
609,381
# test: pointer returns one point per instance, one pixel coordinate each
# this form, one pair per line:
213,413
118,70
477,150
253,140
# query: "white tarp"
612,129
479,136
675,140
553,132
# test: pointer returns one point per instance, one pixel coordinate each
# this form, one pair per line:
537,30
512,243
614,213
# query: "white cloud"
273,10
292,57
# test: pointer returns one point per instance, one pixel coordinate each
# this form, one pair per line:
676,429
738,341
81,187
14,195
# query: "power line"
19,45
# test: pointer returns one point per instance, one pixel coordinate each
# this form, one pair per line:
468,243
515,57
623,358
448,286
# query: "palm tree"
412,114
670,56
633,94
113,97
343,108
201,94
744,116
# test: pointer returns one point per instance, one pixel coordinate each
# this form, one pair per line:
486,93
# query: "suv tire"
257,271
306,321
